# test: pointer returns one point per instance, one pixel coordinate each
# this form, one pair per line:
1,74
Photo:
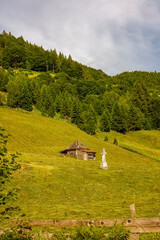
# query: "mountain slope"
55,187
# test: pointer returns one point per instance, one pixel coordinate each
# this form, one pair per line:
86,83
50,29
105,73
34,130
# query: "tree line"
87,97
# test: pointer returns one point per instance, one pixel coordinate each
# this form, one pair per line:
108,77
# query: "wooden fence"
135,225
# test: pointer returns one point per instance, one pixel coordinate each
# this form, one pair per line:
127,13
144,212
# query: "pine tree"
46,101
57,103
133,119
89,123
118,119
105,121
66,105
154,113
19,94
141,97
76,111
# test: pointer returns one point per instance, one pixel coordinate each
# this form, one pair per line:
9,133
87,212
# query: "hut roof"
77,145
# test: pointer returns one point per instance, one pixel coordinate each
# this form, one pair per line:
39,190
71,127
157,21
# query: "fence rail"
135,225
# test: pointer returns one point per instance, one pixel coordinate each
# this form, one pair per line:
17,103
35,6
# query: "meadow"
144,142
56,187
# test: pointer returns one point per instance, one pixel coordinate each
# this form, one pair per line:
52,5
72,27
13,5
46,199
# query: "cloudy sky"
112,35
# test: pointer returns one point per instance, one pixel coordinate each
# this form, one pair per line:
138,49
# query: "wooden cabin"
79,150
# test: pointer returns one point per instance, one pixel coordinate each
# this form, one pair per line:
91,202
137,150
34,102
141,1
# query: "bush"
105,138
115,141
18,232
150,236
100,233
118,233
87,233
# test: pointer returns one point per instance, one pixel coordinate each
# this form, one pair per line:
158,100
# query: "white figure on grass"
104,163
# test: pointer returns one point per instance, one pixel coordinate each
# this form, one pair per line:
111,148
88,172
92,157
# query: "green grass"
31,73
55,187
144,142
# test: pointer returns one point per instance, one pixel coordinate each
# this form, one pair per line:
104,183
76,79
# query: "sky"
112,35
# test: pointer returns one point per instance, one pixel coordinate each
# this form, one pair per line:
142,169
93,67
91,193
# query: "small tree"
105,122
8,165
115,141
106,138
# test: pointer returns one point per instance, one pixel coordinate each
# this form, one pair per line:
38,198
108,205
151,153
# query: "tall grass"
55,187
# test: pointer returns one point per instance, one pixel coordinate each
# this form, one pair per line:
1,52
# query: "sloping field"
143,142
55,187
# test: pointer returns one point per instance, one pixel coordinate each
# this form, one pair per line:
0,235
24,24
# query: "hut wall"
80,154
71,153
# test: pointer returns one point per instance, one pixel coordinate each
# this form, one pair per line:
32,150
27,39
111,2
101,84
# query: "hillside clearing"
55,187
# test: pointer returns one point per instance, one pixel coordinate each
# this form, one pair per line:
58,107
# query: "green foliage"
17,232
87,233
88,123
8,165
141,97
19,93
105,121
134,121
118,119
76,111
132,99
96,233
154,112
46,104
150,236
118,233
106,138
115,141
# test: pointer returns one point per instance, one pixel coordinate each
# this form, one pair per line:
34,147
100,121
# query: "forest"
84,96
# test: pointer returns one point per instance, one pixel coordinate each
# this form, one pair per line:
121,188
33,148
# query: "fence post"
133,236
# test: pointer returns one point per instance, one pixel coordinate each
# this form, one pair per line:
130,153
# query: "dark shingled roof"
76,145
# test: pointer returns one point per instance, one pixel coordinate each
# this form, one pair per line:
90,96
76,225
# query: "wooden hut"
79,150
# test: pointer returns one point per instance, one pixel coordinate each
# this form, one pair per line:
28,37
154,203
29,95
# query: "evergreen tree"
46,101
88,123
118,119
19,94
76,111
154,113
105,121
147,125
2,72
141,97
133,119
57,103
65,105
53,61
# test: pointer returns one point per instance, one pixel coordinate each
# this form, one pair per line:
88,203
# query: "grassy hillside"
144,142
55,187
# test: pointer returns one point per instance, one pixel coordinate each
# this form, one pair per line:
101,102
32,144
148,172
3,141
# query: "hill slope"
144,142
54,187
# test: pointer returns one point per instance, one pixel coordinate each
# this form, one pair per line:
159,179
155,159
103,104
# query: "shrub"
105,138
118,233
150,236
18,232
115,141
100,233
87,233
